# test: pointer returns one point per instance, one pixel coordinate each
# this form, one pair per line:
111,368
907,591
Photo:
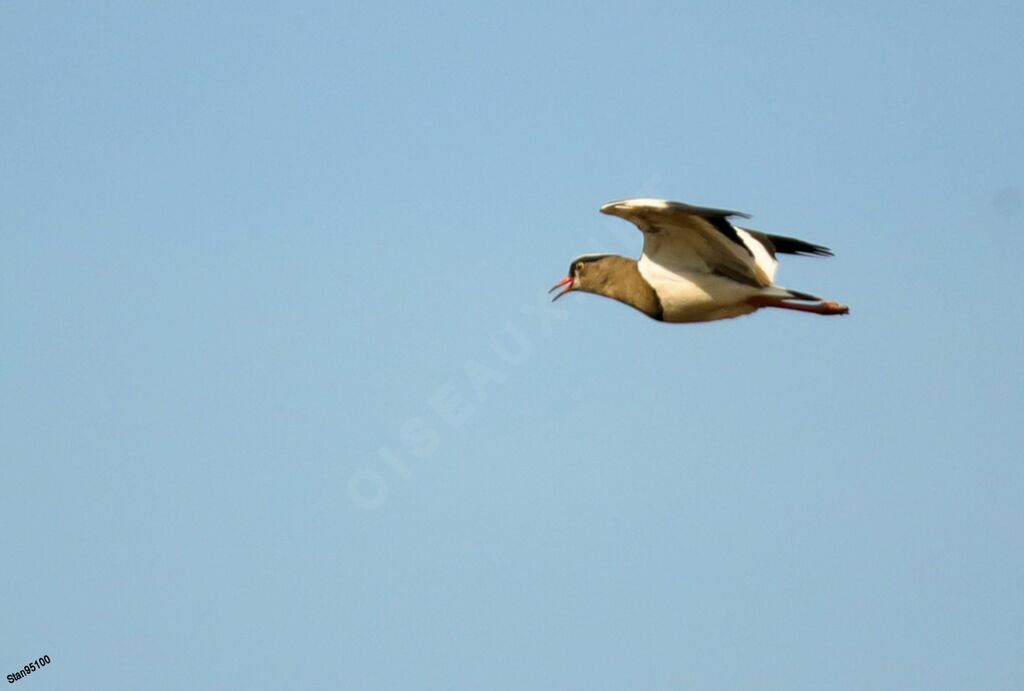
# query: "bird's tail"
790,294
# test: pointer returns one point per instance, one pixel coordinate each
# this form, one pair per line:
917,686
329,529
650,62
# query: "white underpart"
694,296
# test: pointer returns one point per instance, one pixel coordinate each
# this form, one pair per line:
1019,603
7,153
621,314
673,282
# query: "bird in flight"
695,266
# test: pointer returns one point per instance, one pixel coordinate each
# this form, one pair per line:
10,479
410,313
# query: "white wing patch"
762,257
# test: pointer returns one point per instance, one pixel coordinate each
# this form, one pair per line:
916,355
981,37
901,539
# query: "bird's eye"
579,268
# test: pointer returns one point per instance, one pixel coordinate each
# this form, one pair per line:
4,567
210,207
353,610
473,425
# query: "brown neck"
619,279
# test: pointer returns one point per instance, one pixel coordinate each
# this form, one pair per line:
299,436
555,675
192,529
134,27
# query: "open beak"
565,284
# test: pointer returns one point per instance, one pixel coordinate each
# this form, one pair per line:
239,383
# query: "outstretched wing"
684,238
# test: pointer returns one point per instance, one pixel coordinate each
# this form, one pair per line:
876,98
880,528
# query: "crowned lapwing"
695,266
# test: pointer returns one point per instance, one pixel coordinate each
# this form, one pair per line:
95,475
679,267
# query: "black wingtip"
787,245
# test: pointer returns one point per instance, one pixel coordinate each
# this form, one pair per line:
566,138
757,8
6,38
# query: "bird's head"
587,273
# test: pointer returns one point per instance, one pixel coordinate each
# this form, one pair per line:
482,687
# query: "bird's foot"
829,307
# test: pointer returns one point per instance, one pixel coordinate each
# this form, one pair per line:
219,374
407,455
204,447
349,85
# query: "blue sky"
284,406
